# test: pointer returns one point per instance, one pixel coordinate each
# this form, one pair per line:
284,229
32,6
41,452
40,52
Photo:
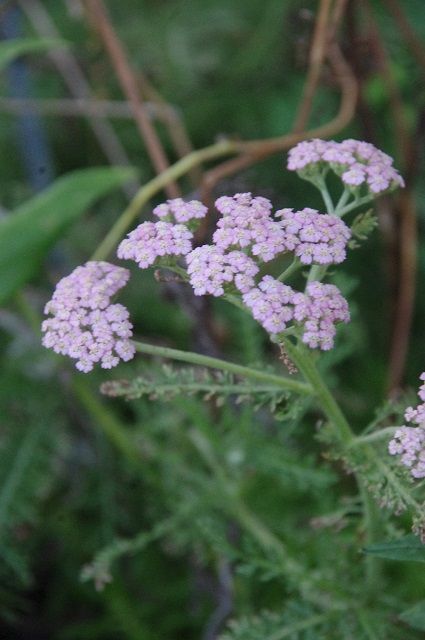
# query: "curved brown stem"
255,151
128,83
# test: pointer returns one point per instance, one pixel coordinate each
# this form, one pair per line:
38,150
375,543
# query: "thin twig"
85,107
147,191
79,87
411,37
255,151
348,84
317,55
128,82
407,236
68,107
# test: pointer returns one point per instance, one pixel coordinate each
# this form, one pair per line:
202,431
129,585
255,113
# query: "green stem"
376,435
223,365
353,205
145,193
363,618
104,418
237,507
304,361
326,197
317,273
372,527
293,267
342,201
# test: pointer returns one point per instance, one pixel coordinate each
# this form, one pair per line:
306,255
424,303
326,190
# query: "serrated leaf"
11,49
408,548
27,234
415,616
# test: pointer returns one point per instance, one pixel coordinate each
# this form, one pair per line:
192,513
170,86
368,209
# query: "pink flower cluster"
152,240
246,223
417,414
210,269
274,304
319,309
180,211
313,236
85,325
358,163
271,304
409,442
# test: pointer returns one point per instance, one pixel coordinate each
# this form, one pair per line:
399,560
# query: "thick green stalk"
293,267
317,273
223,365
145,193
304,361
326,197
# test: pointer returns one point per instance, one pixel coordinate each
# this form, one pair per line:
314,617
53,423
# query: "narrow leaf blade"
11,49
415,616
407,548
27,234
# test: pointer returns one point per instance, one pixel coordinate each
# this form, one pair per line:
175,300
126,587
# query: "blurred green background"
69,485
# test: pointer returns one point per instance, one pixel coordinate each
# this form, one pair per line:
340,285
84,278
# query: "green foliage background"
162,503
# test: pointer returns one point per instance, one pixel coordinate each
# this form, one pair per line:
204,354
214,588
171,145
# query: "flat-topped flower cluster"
314,237
409,442
85,325
248,235
357,163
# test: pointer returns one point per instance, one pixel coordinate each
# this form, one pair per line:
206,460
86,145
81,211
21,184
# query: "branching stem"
293,267
215,363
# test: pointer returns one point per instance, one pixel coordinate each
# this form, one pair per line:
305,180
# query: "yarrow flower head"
409,442
313,236
271,304
153,240
210,269
417,414
246,223
319,309
357,163
84,324
180,211
306,154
